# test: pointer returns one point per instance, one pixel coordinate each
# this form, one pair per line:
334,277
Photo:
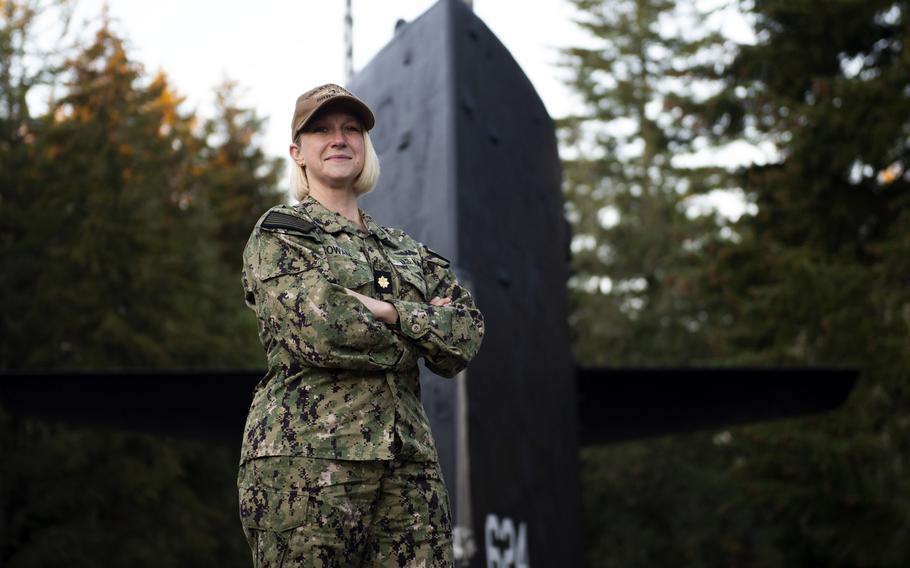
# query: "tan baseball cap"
314,99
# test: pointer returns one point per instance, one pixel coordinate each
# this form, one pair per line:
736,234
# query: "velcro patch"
279,220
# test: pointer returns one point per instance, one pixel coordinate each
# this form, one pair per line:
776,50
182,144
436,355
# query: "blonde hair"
364,183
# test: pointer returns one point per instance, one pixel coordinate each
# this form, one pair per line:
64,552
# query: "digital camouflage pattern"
340,383
306,512
338,465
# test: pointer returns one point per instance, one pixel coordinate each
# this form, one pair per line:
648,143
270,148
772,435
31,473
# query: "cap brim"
361,110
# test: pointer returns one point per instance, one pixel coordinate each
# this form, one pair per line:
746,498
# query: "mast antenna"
348,42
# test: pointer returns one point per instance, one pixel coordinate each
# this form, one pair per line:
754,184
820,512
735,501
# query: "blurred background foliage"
813,269
122,218
122,215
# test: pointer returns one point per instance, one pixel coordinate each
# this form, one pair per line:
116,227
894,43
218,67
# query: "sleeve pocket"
281,255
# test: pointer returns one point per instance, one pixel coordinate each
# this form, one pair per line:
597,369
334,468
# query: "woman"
338,465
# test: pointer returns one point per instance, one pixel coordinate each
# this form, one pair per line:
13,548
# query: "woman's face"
331,146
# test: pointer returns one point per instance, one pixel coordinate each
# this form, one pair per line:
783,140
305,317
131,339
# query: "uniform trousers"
309,512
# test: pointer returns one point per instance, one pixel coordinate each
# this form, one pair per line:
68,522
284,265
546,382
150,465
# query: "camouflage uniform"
338,464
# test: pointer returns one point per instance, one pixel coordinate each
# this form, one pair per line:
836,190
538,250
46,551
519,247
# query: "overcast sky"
278,49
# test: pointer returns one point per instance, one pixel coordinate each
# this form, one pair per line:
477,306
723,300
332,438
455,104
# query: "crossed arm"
385,311
447,330
327,325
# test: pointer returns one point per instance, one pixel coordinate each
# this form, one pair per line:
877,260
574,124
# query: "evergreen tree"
817,277
237,183
87,499
126,272
635,248
238,180
20,76
110,260
820,276
637,257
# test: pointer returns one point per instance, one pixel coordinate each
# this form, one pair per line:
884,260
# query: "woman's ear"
296,154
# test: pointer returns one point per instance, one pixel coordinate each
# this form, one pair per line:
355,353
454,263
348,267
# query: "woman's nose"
338,138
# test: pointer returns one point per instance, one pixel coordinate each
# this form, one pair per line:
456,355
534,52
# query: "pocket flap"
413,275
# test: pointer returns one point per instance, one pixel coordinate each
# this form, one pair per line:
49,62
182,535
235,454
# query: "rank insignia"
383,281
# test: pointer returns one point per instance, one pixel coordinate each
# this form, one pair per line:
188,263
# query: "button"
415,328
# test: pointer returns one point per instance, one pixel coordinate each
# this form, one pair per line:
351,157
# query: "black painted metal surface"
615,404
620,404
210,404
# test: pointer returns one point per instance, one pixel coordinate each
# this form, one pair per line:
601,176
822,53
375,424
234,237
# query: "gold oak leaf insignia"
383,282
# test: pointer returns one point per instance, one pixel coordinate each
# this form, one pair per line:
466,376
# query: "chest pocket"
414,286
351,273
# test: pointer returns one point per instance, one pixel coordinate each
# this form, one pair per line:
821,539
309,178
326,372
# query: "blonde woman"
338,464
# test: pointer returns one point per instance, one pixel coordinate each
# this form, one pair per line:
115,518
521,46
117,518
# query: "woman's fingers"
437,301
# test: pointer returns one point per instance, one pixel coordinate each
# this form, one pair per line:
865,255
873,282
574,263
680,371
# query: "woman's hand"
437,301
383,311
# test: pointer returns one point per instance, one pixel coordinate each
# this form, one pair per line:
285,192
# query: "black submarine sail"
470,167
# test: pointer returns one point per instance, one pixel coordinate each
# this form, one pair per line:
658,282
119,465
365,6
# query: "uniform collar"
377,229
332,222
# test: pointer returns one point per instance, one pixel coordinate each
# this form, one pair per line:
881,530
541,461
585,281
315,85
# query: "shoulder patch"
279,220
